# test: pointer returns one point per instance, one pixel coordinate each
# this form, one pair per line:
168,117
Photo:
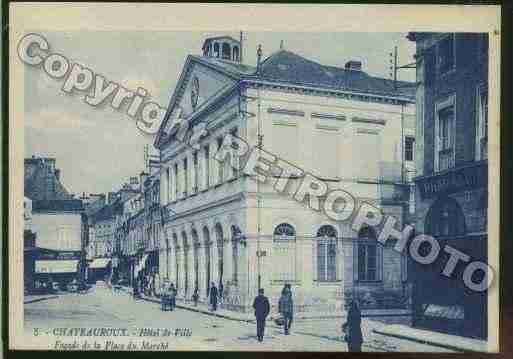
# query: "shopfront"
100,269
56,269
453,210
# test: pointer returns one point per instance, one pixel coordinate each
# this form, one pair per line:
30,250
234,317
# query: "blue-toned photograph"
256,190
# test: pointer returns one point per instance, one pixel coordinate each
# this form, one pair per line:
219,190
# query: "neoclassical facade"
222,226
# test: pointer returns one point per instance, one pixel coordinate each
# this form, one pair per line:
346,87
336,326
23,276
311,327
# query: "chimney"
353,65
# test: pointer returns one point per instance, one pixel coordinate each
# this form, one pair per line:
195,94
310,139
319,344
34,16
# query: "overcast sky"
98,149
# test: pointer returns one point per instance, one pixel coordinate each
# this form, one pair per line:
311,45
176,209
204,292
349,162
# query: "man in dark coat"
213,296
353,328
262,308
172,296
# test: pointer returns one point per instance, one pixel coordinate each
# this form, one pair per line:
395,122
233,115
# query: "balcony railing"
445,159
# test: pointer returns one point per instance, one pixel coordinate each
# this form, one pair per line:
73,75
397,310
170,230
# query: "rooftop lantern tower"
223,47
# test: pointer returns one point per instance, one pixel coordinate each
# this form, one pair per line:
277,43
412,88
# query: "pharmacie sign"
465,178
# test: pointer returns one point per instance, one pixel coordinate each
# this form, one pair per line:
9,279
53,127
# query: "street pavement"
102,307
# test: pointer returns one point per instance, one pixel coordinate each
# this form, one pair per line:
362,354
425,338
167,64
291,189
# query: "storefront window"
445,218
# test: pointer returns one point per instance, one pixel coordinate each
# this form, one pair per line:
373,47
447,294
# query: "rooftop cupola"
222,47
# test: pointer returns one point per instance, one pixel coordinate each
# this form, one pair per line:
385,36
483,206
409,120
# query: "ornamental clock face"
194,92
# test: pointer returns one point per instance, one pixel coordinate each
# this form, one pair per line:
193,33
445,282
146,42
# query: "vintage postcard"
253,177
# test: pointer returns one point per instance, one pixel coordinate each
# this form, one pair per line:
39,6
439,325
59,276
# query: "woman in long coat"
353,329
286,308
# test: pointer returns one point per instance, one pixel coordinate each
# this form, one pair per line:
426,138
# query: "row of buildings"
55,230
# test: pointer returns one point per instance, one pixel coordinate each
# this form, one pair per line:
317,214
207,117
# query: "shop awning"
445,311
56,266
99,263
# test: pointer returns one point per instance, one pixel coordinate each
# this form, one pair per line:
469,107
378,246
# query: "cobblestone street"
102,307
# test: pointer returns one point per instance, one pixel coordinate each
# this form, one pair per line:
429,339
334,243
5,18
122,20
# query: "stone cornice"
368,120
345,94
224,201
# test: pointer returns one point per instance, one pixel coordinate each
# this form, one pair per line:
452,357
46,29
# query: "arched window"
445,218
226,51
167,258
284,232
216,49
206,236
177,260
367,256
220,250
327,254
284,253
235,53
185,263
236,234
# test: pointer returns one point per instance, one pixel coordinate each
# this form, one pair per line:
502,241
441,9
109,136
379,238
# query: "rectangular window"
326,260
177,182
404,267
284,261
482,124
445,133
483,46
196,174
368,262
185,178
409,145
220,164
446,54
207,167
169,185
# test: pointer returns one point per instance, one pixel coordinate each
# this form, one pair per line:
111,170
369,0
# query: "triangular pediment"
199,83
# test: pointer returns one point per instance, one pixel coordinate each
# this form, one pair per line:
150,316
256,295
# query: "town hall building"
351,130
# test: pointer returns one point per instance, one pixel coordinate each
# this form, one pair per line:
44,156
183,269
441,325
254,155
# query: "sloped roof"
287,67
41,183
235,69
58,205
107,212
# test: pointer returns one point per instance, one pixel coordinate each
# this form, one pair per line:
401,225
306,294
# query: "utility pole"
259,204
394,66
393,74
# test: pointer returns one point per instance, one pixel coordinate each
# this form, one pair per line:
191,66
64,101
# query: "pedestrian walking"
135,290
165,297
195,296
286,308
262,308
221,293
172,296
352,328
213,297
